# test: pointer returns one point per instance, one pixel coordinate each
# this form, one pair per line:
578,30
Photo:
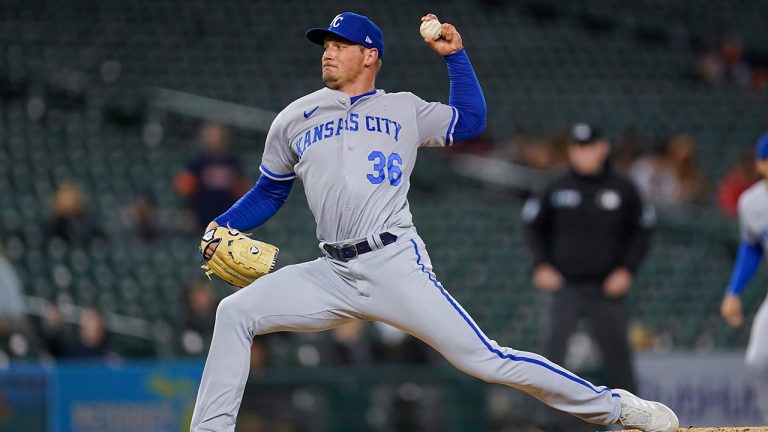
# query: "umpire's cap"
583,133
352,27
761,150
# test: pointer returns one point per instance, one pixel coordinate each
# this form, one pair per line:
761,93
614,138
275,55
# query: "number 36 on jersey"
385,167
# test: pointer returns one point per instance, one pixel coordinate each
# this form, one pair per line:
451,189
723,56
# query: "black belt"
351,251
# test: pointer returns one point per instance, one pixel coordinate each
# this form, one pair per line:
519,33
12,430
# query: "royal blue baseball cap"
761,150
353,27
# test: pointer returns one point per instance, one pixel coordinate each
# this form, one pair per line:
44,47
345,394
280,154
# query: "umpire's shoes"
648,416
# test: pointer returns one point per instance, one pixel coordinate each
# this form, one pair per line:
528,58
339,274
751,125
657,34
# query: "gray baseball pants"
394,284
757,356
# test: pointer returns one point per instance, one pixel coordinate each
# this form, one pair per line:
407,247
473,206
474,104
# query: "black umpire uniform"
586,227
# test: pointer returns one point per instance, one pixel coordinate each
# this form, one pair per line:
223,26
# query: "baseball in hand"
430,29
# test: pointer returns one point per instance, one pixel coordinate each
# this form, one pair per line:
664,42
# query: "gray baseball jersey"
753,222
355,161
753,214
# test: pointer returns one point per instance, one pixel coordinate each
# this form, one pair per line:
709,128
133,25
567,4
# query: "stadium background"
111,94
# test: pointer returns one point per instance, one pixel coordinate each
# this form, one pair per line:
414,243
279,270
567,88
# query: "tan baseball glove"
238,259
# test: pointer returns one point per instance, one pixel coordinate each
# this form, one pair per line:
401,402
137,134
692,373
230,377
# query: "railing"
209,109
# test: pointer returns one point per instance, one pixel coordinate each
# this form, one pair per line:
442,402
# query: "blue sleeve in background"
466,96
257,205
747,262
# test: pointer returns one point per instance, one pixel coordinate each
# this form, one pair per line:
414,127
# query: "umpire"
588,232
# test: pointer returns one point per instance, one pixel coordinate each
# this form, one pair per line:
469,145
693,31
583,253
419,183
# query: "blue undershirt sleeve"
257,205
466,96
747,261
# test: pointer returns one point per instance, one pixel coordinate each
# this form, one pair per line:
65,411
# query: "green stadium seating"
542,66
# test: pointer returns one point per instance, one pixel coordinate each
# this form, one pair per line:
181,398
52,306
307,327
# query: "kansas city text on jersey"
353,123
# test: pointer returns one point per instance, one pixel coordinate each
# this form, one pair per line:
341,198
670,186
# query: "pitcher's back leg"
410,297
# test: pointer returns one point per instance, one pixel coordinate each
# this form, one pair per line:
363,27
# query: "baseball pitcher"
354,147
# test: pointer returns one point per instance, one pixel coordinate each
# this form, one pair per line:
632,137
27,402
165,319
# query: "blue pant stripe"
488,345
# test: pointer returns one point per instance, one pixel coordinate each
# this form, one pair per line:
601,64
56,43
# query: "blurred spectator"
199,318
725,64
395,346
537,152
482,145
681,163
11,299
671,177
643,170
141,217
92,341
739,178
259,354
70,221
14,327
347,345
52,331
213,180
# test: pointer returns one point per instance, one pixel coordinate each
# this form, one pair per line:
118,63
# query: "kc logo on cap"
353,27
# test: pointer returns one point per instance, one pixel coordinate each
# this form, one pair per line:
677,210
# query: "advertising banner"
712,389
23,398
150,397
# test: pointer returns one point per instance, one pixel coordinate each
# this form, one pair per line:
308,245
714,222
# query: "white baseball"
430,29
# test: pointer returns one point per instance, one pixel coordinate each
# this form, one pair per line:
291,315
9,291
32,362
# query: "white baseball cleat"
648,416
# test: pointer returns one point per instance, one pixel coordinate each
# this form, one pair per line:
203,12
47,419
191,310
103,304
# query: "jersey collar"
354,99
